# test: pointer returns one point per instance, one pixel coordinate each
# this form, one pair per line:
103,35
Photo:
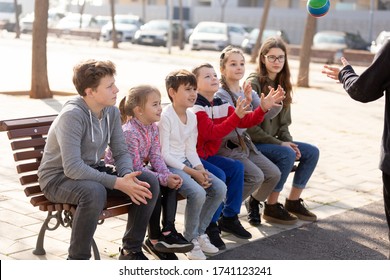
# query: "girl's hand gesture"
174,181
241,107
247,87
273,98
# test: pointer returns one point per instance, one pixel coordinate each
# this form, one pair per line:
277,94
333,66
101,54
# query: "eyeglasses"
273,58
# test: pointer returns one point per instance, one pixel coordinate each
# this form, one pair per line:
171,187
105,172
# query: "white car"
125,27
380,41
26,22
216,35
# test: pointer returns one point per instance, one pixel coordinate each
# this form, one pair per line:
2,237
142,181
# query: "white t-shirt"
178,140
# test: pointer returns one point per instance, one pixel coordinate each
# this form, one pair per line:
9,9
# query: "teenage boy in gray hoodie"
71,170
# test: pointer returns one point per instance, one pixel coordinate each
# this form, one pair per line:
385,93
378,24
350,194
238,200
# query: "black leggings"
167,202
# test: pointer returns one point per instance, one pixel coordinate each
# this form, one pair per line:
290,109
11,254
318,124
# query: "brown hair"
137,96
195,71
177,78
87,74
283,78
226,52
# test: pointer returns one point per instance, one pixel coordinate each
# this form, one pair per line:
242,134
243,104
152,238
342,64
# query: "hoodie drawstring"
90,118
108,128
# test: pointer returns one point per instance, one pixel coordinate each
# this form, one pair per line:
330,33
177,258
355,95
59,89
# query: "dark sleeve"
370,85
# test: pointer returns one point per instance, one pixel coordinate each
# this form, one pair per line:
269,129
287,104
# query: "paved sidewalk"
347,133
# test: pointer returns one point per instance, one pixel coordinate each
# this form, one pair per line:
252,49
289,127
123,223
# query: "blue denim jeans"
201,203
90,198
230,171
284,158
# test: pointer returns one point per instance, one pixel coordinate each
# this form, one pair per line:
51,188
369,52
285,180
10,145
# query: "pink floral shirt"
143,144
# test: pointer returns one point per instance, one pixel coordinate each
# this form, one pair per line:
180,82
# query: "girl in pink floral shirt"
140,110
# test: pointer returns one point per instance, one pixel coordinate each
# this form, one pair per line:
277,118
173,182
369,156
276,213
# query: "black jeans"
386,196
167,203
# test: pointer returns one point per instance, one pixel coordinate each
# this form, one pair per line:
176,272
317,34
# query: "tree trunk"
305,53
39,80
181,29
263,23
17,25
113,31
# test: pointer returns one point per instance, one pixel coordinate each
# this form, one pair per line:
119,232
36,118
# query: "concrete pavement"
347,133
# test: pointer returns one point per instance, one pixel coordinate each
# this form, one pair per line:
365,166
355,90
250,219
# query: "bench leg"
95,250
39,250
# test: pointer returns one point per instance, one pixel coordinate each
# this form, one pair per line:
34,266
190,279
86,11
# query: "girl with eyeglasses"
260,174
272,137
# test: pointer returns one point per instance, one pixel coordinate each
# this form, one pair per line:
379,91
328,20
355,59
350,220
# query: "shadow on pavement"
359,234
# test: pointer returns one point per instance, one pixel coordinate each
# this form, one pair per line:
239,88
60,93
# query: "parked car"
379,41
72,21
250,41
216,35
125,26
155,32
337,40
26,22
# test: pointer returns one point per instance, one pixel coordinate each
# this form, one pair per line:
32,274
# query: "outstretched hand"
273,98
333,71
242,107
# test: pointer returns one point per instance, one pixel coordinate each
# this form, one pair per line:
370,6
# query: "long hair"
226,52
283,78
137,96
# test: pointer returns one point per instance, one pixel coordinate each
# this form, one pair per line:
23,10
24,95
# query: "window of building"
204,3
250,3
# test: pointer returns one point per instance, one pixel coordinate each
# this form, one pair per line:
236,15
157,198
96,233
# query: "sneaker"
233,225
276,213
196,253
298,208
149,247
174,242
253,208
206,246
128,255
215,236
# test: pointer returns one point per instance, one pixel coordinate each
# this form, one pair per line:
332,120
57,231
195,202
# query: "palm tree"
263,23
39,79
305,53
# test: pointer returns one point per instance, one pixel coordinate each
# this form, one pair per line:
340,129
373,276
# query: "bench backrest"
28,138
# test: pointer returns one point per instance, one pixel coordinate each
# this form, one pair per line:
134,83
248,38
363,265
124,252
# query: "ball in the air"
318,8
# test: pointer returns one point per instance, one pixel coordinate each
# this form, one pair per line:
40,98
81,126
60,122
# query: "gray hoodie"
76,143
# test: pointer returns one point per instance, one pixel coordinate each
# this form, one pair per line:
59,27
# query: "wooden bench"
28,138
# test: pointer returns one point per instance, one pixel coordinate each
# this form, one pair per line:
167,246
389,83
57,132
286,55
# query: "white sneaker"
196,253
206,246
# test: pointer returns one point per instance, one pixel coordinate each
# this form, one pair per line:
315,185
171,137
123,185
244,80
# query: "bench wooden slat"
37,131
7,125
34,154
28,179
30,143
27,167
32,191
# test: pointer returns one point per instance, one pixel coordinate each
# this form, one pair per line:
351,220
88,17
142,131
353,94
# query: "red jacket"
216,120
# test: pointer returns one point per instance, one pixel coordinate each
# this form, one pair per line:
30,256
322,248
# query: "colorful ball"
318,8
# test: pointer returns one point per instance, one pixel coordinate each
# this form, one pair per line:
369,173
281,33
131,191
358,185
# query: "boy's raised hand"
273,98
